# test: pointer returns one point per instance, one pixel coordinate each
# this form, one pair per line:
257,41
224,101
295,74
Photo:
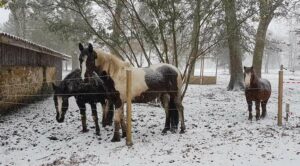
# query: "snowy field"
218,133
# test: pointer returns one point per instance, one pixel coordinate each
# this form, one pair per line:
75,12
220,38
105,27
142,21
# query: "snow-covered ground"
218,133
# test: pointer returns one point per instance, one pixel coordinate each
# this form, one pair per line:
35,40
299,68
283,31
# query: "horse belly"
265,95
146,97
257,95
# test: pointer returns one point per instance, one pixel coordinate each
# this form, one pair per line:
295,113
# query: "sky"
3,15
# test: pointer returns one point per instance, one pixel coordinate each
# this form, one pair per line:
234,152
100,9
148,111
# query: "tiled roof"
19,42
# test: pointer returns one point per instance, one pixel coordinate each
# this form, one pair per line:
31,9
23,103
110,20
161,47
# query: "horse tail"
174,118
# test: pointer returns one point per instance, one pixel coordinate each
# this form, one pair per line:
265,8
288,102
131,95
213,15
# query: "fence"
281,93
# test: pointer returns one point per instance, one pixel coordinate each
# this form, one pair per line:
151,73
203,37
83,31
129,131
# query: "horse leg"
95,117
264,109
165,103
117,118
180,109
105,113
123,124
257,108
250,109
83,116
173,115
110,115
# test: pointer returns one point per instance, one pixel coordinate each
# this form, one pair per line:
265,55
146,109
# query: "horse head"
87,59
61,102
249,75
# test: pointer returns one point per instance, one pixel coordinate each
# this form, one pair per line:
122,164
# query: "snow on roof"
20,42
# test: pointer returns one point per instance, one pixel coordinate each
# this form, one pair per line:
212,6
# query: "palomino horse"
91,92
258,90
162,81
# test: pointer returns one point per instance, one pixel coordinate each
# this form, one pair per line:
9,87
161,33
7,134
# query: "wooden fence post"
217,69
128,94
280,94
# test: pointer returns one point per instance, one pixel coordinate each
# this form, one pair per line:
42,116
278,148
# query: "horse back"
150,82
265,84
91,91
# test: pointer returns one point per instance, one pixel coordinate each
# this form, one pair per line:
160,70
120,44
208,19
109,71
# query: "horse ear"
244,67
90,47
80,47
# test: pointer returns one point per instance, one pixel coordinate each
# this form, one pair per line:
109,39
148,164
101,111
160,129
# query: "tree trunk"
266,12
174,38
233,33
116,27
260,44
194,45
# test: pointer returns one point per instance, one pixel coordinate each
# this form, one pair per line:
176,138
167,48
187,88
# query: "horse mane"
110,62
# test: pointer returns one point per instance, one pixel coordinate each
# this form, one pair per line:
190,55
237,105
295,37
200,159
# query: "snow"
218,133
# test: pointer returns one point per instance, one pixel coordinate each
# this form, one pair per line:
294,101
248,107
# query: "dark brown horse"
257,90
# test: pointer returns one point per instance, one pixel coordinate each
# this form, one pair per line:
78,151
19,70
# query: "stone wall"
21,85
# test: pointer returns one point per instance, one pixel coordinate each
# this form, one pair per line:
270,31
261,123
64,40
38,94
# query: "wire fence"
288,91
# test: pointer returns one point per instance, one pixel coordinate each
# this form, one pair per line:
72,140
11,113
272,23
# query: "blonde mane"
110,63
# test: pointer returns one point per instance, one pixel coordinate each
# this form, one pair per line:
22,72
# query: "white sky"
3,15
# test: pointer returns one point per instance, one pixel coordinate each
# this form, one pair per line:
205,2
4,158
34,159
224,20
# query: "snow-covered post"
287,110
280,94
128,94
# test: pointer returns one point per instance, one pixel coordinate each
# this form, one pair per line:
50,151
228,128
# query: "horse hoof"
98,133
84,130
165,131
173,131
124,135
262,116
115,140
257,118
116,137
181,132
104,124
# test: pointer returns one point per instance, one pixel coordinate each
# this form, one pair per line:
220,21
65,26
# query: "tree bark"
173,23
266,12
260,45
233,33
116,29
